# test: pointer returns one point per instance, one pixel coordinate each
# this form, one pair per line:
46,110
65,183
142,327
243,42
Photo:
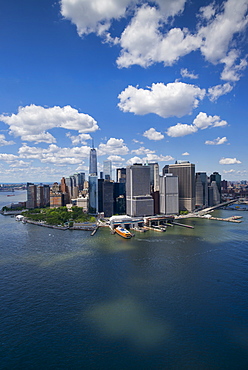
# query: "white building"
169,197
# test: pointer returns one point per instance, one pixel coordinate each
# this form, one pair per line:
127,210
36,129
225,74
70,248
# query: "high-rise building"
139,202
215,194
121,175
93,195
186,177
31,195
40,196
154,176
169,197
201,190
216,177
106,197
93,162
107,170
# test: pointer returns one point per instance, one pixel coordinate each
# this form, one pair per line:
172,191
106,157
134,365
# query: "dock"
228,219
183,225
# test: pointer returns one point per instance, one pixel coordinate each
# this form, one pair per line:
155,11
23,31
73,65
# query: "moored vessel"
123,232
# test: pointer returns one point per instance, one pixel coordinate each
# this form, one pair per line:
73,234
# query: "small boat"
123,232
10,195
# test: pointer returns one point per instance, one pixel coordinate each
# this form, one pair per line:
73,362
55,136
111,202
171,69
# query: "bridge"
210,209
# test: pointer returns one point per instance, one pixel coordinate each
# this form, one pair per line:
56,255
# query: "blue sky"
159,81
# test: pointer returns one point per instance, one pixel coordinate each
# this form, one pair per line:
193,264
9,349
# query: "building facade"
169,196
186,180
139,202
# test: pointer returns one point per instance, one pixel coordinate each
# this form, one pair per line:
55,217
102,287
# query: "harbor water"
173,300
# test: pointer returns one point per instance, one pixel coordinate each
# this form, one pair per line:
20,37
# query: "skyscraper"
201,189
138,199
93,162
121,175
107,170
93,195
169,199
186,176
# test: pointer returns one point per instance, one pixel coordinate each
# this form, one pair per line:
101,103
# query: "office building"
107,170
93,162
154,176
169,197
215,194
106,197
186,180
139,202
121,175
31,196
216,177
201,190
93,195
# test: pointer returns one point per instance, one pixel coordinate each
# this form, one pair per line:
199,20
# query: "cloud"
229,161
186,74
220,30
233,66
157,158
97,15
79,139
143,43
4,142
174,99
217,141
229,171
113,146
202,121
115,158
216,91
152,134
55,155
137,141
181,129
94,15
149,37
133,160
142,150
32,122
20,164
185,153
8,157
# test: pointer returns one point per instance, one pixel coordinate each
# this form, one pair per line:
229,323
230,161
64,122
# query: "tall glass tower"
93,162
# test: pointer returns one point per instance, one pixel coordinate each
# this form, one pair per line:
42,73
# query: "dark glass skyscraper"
93,162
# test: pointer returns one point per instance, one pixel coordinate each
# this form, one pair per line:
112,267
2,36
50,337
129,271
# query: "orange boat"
123,232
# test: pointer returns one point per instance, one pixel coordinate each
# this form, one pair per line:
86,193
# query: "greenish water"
174,300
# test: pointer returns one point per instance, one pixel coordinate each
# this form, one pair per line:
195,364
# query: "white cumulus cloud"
143,43
181,129
215,92
220,30
229,161
217,141
94,15
202,121
142,150
4,142
79,139
152,134
174,99
55,154
32,122
186,74
113,146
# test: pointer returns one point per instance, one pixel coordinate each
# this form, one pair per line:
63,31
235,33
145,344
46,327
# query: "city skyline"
146,81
